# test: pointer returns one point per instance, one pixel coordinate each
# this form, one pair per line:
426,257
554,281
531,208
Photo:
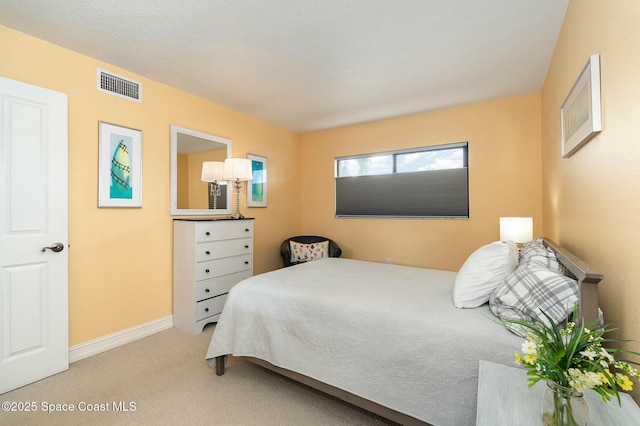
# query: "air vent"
118,85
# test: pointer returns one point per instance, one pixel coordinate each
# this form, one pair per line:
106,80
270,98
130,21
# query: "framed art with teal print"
119,166
257,190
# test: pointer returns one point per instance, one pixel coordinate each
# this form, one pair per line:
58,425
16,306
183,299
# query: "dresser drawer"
219,285
210,307
225,248
223,230
227,265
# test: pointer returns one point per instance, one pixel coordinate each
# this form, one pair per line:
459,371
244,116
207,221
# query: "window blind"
434,193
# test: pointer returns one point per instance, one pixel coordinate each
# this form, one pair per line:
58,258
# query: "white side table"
505,399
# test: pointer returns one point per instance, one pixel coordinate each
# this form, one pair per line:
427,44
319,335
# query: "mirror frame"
175,211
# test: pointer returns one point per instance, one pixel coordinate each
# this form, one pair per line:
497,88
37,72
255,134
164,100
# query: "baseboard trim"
119,338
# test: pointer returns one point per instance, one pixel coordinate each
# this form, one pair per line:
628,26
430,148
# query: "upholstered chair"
307,249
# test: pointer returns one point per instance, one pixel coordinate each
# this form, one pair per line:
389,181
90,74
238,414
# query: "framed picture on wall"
119,166
581,114
257,191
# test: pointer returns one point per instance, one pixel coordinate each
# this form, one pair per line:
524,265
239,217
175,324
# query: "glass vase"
563,406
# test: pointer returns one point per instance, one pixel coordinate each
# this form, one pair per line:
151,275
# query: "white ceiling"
307,65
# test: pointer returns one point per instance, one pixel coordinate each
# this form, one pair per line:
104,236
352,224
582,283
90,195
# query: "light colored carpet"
168,381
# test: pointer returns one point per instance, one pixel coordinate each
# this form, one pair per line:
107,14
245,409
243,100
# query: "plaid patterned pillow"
536,251
531,288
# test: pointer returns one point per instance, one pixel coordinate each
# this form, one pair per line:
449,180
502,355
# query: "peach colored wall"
591,202
504,180
120,260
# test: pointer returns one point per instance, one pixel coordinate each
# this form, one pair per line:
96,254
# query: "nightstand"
504,398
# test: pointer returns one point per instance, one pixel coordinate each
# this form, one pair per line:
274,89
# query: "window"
421,182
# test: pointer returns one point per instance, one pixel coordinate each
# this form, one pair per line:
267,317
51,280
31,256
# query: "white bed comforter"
387,333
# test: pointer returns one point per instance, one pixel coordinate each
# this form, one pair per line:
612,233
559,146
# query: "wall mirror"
189,195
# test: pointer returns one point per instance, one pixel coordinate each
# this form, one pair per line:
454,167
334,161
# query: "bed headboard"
587,278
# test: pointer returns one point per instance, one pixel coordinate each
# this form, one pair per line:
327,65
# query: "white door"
34,331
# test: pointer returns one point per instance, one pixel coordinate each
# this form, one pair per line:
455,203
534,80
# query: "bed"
384,337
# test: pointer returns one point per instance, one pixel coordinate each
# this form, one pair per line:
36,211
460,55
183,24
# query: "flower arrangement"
574,357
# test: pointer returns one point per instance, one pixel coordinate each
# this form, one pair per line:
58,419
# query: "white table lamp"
212,172
516,229
237,170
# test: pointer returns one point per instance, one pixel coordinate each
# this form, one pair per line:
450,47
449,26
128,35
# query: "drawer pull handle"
207,252
206,270
246,262
246,230
206,309
246,246
207,233
206,290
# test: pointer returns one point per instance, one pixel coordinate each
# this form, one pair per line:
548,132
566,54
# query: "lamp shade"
212,171
516,229
237,169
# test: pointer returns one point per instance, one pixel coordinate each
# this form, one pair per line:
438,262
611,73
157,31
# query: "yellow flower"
603,377
624,382
529,359
518,358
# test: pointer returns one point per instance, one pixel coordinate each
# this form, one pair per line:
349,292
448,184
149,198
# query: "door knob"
55,247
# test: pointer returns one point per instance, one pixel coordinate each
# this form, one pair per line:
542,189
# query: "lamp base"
237,214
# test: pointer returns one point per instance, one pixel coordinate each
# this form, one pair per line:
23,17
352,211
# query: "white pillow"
484,271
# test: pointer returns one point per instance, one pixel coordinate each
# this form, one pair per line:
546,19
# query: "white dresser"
209,257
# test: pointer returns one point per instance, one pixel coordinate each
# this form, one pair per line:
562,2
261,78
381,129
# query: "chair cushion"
301,252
